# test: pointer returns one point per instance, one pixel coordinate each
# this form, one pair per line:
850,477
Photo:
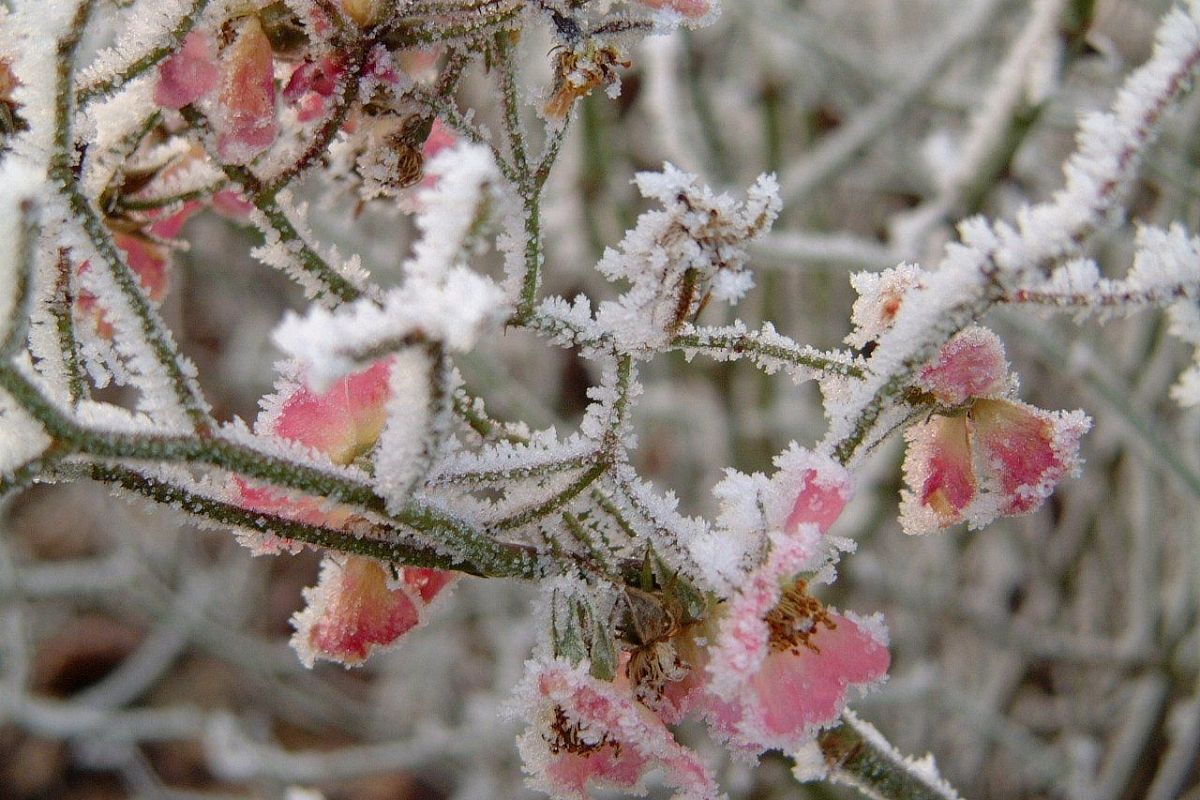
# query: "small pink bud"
245,120
972,364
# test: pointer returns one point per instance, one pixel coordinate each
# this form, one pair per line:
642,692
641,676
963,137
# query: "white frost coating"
157,396
286,255
694,247
880,295
332,344
1167,263
506,460
21,437
441,299
21,183
28,36
1108,149
404,446
1021,78
769,350
451,208
808,763
109,124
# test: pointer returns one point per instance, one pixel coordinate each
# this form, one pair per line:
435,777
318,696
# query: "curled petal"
148,260
189,74
817,487
344,421
940,473
351,612
972,364
245,120
589,734
169,226
797,692
1026,450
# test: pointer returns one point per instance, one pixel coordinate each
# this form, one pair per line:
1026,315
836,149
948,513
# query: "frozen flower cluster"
378,450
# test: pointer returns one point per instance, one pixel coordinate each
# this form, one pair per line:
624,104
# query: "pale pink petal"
299,508
1026,450
972,364
441,137
170,225
366,399
231,204
797,692
351,612
692,9
743,636
940,473
148,260
342,422
189,74
819,485
425,582
312,83
245,120
420,64
587,734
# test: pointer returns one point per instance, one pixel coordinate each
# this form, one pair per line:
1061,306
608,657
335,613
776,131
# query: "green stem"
861,761
750,344
332,285
153,331
380,544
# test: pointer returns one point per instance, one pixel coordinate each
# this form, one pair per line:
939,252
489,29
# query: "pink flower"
995,456
590,734
245,119
777,665
356,606
189,74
